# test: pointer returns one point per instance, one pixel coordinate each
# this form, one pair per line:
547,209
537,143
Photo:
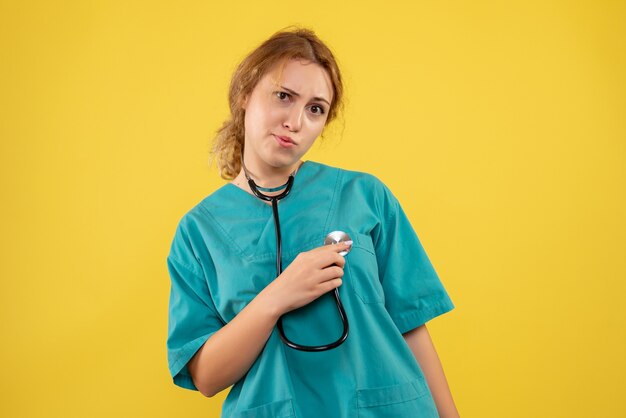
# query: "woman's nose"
293,120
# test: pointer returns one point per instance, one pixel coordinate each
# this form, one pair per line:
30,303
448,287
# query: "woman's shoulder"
359,184
352,174
201,208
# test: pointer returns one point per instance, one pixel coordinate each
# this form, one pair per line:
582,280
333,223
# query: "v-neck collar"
298,179
247,223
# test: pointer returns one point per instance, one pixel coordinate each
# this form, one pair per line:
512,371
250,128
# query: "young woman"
339,332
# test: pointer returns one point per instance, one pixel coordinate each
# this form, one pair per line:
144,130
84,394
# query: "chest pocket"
363,269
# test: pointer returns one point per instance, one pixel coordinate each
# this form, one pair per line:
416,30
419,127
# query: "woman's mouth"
283,142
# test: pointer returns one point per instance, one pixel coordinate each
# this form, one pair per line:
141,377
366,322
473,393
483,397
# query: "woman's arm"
229,353
423,349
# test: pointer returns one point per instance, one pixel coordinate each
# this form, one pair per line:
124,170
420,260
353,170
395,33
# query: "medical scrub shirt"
224,253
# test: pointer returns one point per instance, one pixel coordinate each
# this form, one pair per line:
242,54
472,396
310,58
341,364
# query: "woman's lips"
284,143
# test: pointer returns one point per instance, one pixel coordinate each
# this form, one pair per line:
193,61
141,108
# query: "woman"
232,315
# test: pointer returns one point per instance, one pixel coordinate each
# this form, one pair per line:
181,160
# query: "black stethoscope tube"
279,270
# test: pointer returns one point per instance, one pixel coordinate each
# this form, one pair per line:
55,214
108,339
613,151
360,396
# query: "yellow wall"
500,126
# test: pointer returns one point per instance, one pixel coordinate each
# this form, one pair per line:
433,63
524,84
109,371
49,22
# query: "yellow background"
500,126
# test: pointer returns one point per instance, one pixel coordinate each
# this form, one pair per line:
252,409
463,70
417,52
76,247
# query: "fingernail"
348,242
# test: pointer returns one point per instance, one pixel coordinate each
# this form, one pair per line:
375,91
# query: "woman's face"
295,106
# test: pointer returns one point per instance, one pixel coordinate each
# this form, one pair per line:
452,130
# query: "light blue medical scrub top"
224,253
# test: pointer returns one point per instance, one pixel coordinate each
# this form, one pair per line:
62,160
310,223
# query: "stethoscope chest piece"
336,237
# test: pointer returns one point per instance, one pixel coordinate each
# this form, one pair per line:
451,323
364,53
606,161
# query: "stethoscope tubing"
279,270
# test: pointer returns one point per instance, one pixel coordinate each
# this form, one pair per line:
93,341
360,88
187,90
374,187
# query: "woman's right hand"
310,275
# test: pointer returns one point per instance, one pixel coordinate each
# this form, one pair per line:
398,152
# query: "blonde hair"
298,43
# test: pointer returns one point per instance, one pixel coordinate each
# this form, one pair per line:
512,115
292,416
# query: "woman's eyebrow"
297,94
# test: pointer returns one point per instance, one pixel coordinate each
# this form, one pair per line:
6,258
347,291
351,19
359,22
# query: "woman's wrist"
268,304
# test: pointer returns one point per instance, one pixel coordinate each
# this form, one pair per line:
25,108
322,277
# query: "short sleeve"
413,292
192,317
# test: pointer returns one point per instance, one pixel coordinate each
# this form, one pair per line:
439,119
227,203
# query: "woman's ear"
244,102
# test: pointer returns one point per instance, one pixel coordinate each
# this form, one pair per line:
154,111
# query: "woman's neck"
272,179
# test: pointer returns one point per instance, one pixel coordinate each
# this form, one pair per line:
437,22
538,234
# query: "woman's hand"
310,275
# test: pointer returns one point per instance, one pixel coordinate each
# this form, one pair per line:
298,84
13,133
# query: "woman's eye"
321,110
280,94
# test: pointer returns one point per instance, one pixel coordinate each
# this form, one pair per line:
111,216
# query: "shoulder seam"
199,275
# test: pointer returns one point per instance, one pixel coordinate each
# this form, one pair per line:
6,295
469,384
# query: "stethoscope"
332,238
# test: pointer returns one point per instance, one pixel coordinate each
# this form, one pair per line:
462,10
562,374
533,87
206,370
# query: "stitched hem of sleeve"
414,319
185,354
184,381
